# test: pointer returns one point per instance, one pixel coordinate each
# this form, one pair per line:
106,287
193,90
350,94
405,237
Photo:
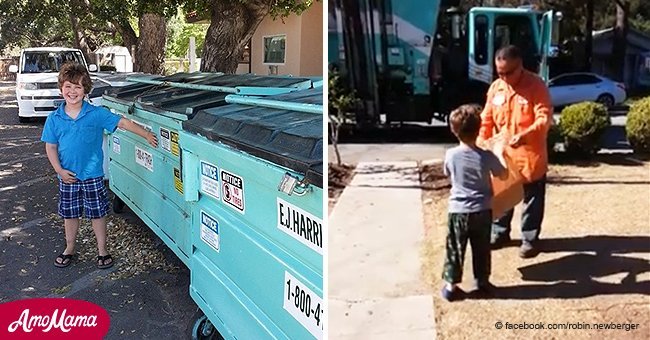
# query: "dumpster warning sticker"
210,180
174,143
304,305
165,141
301,225
232,188
116,145
178,181
210,230
144,158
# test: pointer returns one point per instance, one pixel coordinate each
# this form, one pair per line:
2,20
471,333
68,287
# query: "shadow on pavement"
575,275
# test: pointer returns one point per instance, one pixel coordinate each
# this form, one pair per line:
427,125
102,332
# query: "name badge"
498,100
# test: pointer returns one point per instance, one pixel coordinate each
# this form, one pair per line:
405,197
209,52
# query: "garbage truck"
415,61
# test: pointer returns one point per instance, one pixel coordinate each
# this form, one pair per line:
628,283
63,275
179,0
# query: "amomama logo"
52,318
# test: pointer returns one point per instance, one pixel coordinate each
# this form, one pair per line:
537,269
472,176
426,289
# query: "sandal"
102,261
65,260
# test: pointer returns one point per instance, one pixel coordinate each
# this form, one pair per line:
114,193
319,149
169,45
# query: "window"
274,49
564,81
518,30
502,36
575,79
44,61
481,39
588,79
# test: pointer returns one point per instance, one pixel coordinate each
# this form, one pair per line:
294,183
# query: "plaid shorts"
91,194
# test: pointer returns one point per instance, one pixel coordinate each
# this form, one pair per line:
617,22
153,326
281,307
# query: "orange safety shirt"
523,108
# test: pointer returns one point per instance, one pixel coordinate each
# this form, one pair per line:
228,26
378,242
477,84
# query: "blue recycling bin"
149,180
252,174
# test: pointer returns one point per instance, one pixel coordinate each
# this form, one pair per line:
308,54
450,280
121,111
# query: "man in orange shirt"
518,103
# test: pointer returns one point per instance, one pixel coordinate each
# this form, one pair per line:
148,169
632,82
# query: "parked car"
571,88
37,91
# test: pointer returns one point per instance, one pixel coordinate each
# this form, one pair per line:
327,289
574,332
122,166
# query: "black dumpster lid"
289,138
165,98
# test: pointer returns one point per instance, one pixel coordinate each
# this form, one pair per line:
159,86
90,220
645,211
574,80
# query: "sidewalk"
376,230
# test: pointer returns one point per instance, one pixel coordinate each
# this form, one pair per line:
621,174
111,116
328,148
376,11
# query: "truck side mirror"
92,68
13,68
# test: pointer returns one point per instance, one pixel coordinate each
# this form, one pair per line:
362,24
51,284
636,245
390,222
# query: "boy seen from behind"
469,213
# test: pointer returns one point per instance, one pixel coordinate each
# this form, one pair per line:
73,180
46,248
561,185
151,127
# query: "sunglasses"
506,73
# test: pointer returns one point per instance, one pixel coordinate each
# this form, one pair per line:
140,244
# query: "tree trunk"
335,128
620,40
80,41
589,28
232,24
150,52
127,33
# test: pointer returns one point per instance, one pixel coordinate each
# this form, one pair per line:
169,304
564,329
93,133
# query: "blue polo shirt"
80,140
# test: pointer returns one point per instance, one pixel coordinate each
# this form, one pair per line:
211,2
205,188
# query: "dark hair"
510,52
465,122
76,74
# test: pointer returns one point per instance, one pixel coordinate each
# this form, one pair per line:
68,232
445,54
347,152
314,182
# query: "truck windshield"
48,61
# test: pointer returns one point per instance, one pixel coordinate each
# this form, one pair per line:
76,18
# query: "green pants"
475,227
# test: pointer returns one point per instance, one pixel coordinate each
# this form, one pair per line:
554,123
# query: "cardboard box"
509,192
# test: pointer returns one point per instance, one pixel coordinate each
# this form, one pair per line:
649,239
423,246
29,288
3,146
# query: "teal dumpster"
149,180
252,172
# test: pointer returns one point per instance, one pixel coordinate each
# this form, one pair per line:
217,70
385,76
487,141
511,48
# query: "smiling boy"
73,143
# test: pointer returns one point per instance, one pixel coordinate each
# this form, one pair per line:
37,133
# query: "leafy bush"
178,36
637,126
340,102
554,137
582,126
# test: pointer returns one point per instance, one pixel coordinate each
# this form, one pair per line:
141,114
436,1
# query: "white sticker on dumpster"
304,305
233,190
210,230
301,225
144,158
165,142
116,145
210,180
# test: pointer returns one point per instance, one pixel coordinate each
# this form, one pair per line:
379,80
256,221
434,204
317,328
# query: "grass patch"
594,267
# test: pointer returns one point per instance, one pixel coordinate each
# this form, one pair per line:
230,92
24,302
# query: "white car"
571,88
37,90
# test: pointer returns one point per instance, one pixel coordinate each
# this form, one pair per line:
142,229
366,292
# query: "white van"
37,90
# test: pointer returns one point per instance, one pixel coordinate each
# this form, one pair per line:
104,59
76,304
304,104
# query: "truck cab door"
548,40
480,46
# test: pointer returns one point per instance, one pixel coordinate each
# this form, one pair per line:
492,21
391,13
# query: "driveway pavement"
415,142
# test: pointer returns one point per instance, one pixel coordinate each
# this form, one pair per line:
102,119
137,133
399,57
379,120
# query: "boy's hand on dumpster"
152,140
67,176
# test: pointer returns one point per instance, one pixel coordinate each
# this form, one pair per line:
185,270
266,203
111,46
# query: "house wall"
602,56
292,29
311,45
304,44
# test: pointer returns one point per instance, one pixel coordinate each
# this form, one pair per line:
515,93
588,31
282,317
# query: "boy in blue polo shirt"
73,143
